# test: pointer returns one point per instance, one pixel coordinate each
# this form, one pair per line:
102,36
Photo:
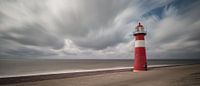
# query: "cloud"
175,35
96,28
28,35
88,21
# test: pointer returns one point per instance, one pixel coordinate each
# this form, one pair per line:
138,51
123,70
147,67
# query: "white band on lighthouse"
139,43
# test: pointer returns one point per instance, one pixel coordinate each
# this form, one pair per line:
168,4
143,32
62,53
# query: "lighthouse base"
139,70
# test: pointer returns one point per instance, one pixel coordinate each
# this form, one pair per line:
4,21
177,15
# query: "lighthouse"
140,63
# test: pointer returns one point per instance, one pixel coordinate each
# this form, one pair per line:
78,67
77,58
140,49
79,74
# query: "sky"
98,29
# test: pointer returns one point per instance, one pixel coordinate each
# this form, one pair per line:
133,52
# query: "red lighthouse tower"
140,63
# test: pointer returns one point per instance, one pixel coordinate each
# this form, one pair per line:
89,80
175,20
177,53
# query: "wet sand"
187,75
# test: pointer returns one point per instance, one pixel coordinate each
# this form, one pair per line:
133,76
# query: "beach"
185,75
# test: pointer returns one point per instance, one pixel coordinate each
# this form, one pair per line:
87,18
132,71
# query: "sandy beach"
187,75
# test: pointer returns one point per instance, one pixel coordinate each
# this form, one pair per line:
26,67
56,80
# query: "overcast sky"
98,29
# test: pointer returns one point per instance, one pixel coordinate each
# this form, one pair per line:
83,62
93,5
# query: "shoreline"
33,78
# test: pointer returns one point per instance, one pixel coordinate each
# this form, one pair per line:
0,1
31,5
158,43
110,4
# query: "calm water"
33,66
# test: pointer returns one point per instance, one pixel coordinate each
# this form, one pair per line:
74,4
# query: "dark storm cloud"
25,53
12,49
103,40
33,35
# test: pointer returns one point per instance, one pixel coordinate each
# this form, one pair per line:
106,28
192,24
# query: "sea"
20,67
